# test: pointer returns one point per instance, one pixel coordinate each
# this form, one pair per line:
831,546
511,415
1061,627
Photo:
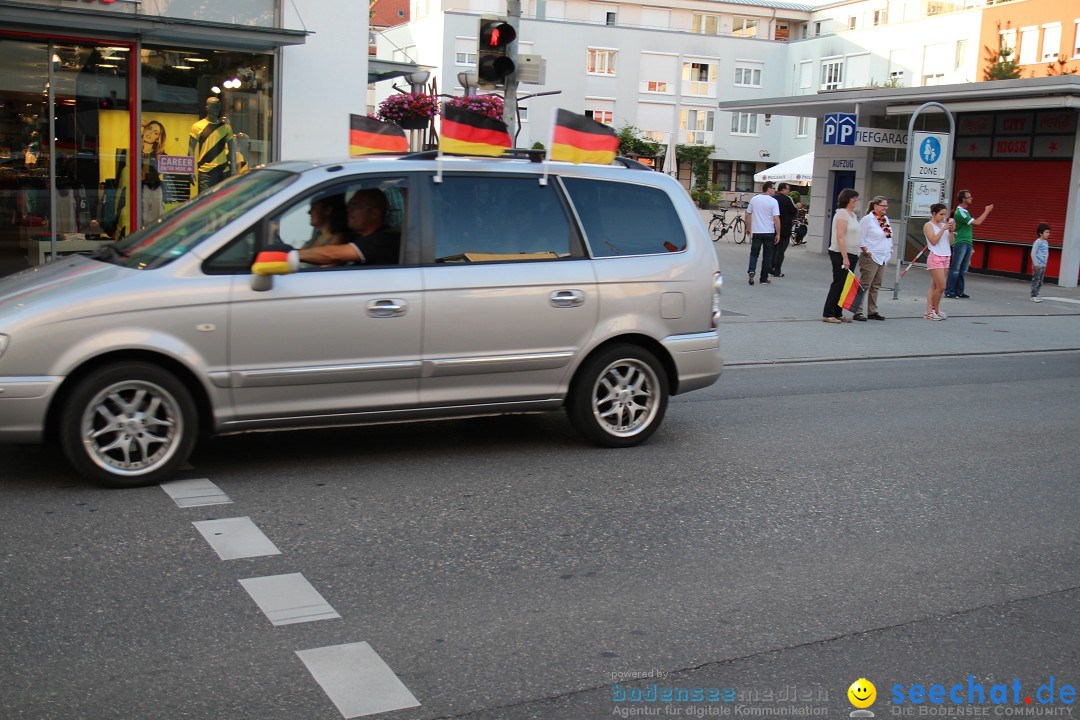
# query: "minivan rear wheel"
619,396
128,425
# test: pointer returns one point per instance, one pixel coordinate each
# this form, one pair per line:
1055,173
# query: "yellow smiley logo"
862,693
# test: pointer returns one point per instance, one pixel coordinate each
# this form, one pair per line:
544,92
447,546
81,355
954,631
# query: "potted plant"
489,105
412,111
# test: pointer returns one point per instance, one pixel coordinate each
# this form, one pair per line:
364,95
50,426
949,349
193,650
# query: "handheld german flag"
368,135
852,294
578,139
469,133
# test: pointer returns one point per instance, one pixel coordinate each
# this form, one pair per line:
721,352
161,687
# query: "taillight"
717,288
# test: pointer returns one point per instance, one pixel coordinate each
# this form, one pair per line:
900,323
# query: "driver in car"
369,242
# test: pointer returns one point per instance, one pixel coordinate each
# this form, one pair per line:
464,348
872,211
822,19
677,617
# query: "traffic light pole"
513,18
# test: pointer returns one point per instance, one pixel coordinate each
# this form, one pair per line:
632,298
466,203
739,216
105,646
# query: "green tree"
698,157
1059,67
1002,66
631,143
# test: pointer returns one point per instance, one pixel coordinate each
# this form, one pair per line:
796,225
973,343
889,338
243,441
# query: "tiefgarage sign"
875,137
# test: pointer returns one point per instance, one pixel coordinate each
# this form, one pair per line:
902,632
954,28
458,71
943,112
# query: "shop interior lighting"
107,65
216,90
117,49
196,59
183,67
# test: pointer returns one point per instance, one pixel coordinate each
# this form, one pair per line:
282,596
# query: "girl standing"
939,237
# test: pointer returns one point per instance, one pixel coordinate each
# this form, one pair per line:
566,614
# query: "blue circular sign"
930,150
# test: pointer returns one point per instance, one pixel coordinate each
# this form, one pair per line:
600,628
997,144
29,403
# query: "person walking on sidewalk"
1040,254
788,211
962,248
763,226
842,253
875,245
938,233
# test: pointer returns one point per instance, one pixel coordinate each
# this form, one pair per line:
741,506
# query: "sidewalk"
781,322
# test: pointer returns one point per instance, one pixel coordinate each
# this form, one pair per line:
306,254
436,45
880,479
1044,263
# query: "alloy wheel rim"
131,427
624,398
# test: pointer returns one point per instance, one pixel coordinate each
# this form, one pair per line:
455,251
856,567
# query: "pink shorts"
937,262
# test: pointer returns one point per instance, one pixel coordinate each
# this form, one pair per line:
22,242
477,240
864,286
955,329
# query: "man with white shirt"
875,249
763,227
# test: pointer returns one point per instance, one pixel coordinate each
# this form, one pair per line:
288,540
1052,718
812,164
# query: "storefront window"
62,183
213,107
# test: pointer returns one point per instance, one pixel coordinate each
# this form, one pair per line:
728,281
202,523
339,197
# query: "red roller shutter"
1024,193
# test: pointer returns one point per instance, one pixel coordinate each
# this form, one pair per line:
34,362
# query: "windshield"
185,227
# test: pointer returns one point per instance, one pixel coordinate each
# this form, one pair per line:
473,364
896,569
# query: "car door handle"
567,298
390,307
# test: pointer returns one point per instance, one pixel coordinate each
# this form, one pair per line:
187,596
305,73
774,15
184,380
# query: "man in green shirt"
962,244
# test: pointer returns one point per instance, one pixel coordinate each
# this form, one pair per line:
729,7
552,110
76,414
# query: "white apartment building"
663,67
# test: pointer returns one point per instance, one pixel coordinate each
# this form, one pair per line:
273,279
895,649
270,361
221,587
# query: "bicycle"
719,227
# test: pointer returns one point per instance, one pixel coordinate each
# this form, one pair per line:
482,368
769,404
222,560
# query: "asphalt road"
786,532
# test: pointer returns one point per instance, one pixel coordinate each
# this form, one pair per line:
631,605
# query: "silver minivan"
506,286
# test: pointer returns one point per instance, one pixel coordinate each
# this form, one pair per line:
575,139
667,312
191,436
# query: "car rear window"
623,219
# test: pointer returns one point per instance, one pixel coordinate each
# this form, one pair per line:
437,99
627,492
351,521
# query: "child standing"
1040,253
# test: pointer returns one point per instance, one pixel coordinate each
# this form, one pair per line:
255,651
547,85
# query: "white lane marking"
1064,300
357,680
288,599
195,493
234,538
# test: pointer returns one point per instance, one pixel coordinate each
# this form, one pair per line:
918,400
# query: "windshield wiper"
106,252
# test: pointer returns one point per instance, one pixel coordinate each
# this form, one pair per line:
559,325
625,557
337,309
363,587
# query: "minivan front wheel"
128,425
619,396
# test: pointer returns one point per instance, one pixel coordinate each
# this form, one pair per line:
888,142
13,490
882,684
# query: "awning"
798,171
77,21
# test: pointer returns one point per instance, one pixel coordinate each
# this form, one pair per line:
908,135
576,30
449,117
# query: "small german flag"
579,139
852,294
276,260
469,133
368,135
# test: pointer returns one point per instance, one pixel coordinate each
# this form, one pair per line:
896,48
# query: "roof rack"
521,153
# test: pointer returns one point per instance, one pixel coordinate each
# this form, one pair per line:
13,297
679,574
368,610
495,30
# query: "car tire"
619,396
128,425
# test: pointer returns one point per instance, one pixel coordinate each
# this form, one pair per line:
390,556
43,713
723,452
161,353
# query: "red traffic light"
496,34
492,64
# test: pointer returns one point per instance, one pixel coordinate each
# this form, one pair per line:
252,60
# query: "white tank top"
942,248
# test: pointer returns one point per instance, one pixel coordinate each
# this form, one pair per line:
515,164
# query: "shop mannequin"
213,146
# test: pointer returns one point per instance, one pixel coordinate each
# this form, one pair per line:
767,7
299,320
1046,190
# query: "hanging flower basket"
412,111
489,105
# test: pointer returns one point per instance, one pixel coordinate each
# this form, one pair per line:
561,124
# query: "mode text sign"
839,129
930,159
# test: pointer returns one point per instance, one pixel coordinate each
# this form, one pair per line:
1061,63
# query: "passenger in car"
370,241
328,218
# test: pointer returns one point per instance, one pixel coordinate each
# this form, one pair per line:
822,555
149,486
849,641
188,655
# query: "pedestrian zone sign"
931,156
840,129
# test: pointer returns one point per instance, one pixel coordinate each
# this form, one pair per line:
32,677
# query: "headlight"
4,339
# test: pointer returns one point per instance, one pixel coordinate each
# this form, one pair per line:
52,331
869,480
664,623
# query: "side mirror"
275,260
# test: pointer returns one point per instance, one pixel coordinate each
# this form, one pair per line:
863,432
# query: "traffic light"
492,64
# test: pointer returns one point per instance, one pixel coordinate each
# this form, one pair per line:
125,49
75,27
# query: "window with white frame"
935,61
744,27
658,73
806,75
1008,40
601,116
802,126
601,61
961,54
656,18
851,23
655,121
699,78
555,10
465,51
832,74
1051,42
603,13
1076,41
744,123
1029,45
747,74
880,17
695,126
705,24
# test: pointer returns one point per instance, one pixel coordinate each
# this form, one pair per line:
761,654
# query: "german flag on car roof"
578,139
368,135
469,133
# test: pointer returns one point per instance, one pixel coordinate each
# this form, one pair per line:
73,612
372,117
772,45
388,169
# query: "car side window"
622,219
360,223
235,258
498,219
